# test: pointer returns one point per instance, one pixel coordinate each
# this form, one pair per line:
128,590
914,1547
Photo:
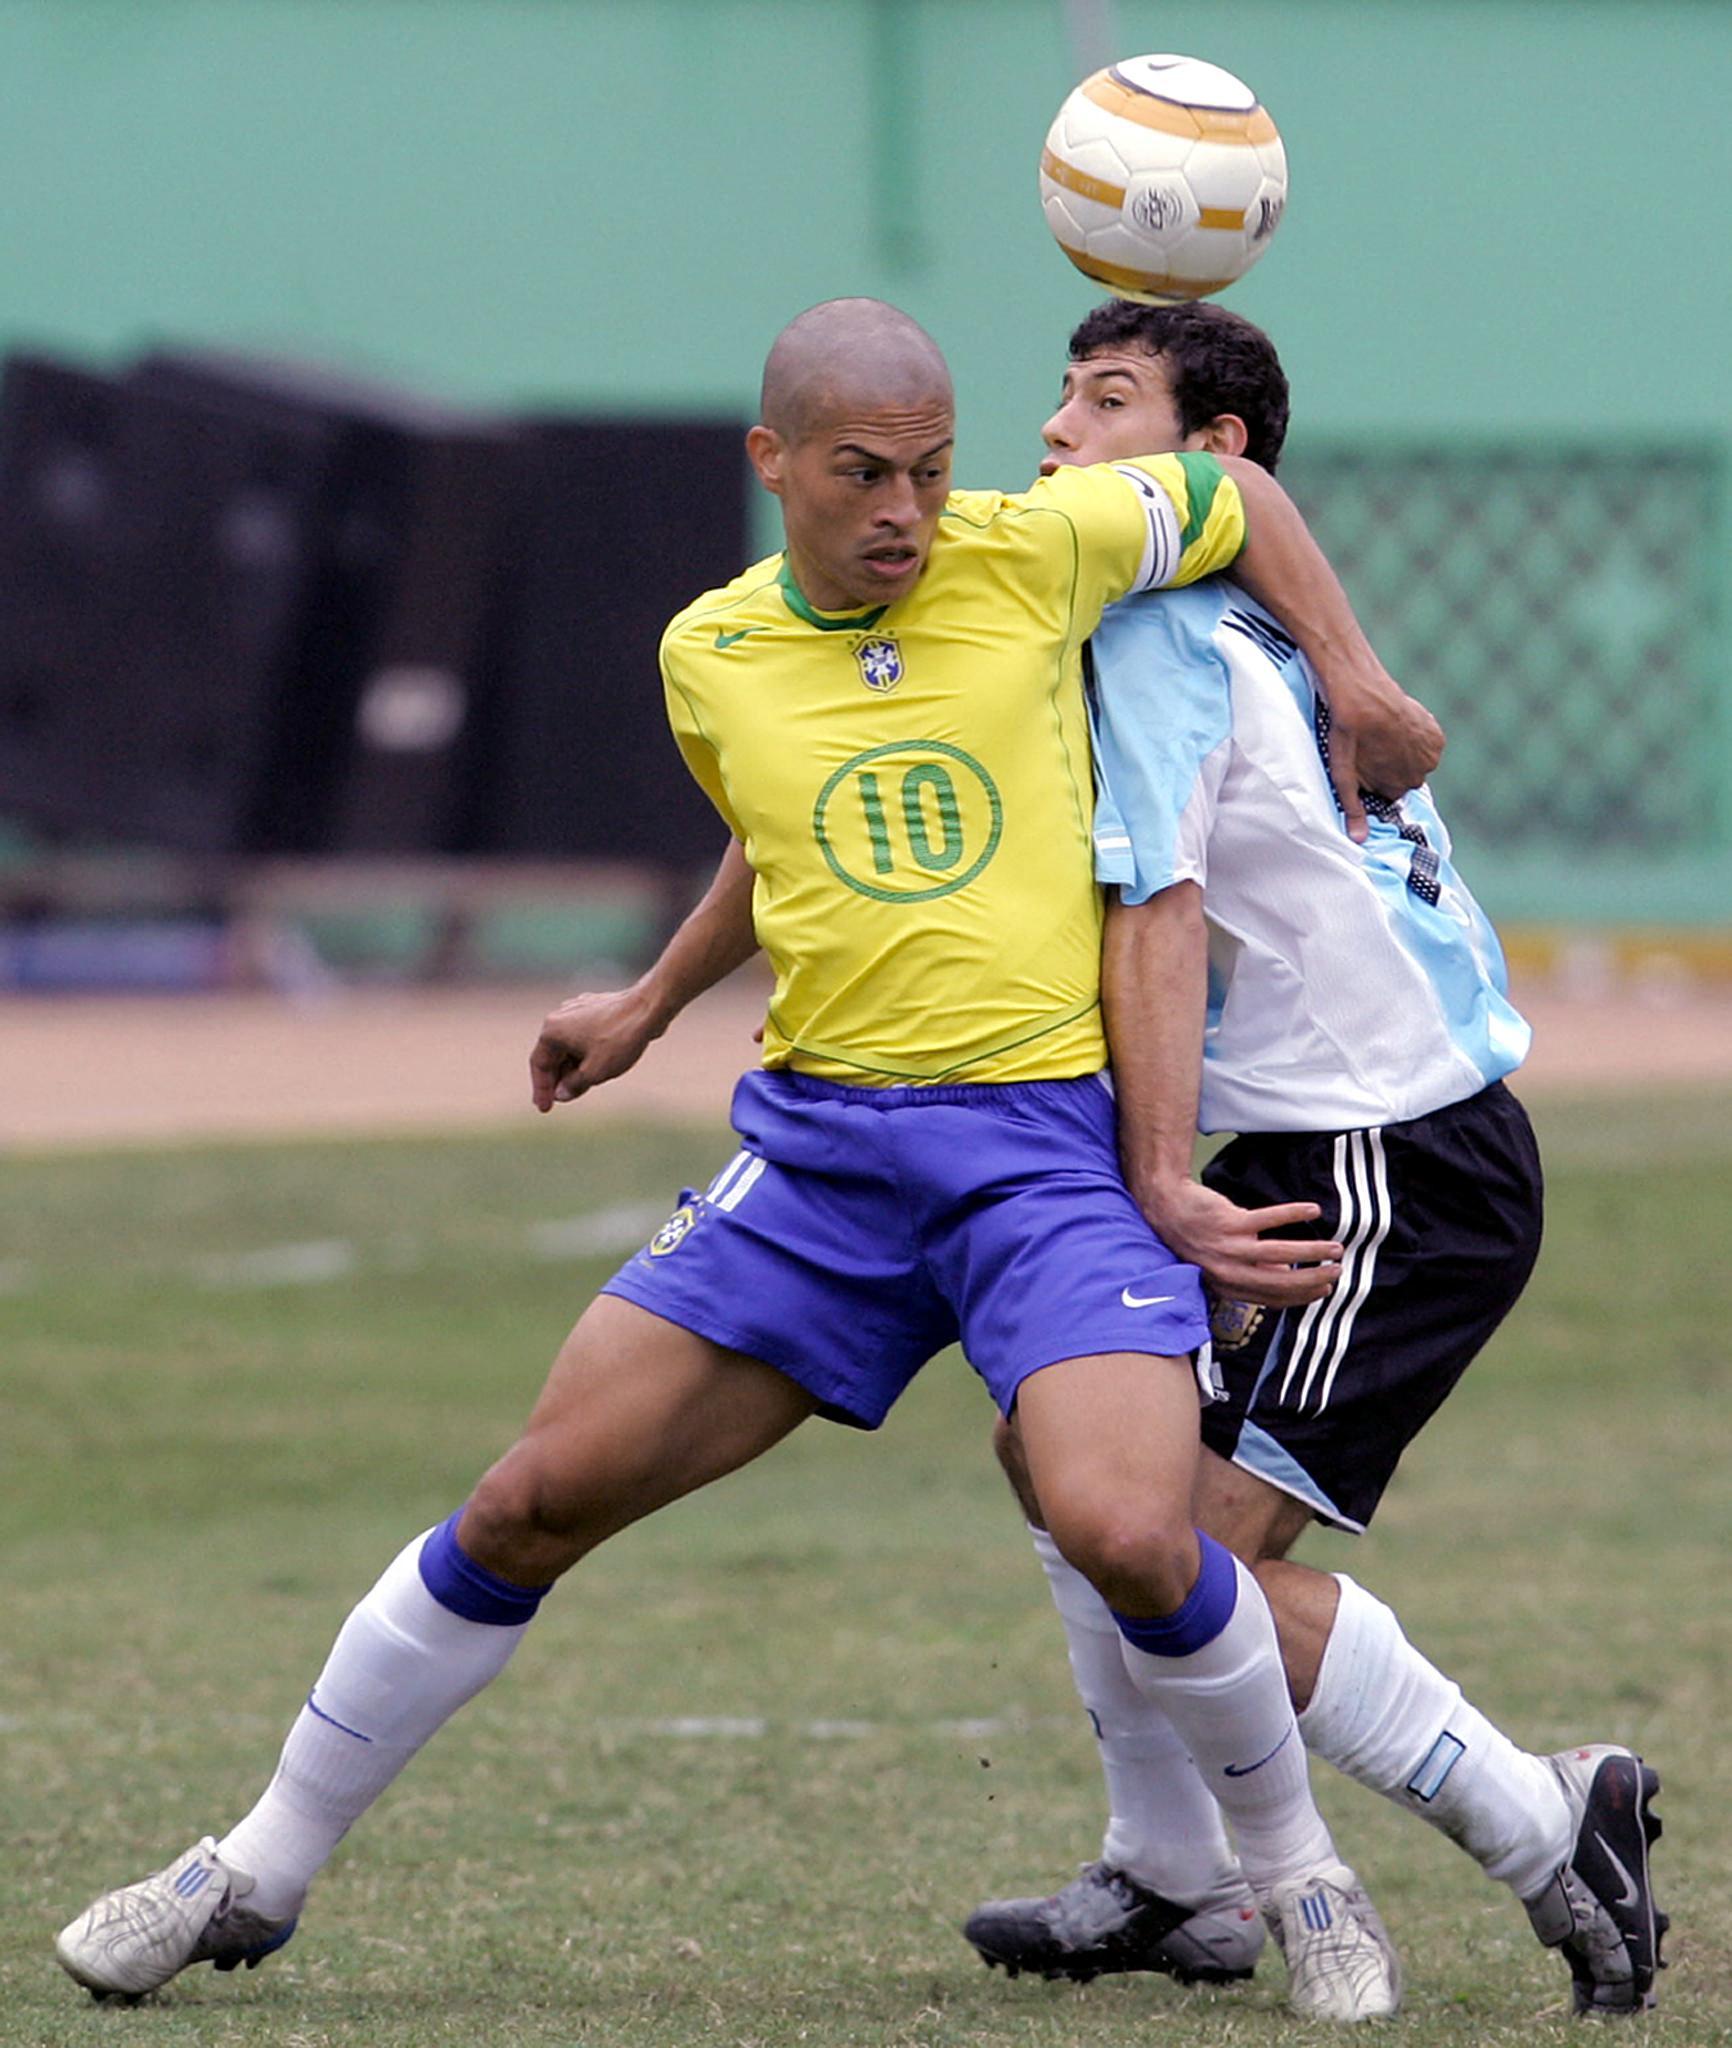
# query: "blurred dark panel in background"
152,575
404,541
617,525
255,607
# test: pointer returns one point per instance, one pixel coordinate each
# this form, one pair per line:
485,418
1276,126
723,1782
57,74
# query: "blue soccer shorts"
858,1231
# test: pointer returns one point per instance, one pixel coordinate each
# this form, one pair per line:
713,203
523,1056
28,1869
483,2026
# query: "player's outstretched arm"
1154,987
1379,737
595,1038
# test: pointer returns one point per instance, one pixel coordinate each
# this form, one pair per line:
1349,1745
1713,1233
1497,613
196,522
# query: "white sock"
1163,1828
401,1666
1228,1701
1392,1721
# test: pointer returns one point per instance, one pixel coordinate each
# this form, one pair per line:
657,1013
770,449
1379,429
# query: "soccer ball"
1163,178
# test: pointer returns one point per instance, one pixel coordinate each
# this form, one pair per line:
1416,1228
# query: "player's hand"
588,1040
1237,1257
1388,744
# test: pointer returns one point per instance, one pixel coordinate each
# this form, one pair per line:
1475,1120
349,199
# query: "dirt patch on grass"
95,1072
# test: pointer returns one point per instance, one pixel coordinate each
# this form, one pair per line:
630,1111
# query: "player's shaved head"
855,440
849,354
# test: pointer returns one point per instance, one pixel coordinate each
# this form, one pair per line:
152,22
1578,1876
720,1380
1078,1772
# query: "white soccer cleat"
1598,1909
132,1940
1341,1963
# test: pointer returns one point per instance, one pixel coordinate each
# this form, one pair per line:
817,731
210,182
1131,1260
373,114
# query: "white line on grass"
756,1727
731,1727
318,1262
279,1265
619,1229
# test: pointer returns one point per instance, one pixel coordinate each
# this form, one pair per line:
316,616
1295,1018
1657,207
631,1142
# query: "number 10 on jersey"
909,821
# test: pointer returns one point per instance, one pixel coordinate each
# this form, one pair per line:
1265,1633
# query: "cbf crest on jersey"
880,664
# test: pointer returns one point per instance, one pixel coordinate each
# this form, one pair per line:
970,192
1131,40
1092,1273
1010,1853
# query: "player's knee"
1139,1558
521,1524
1007,1446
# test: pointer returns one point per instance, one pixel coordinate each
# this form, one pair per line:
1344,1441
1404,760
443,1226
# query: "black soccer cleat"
1105,1922
1598,1910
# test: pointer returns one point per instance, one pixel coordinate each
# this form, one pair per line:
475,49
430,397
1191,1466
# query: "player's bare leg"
635,1413
1385,1716
1377,1710
1260,1524
1381,1713
1111,1451
1167,1893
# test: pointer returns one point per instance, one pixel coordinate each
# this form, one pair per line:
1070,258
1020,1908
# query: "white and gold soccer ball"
1163,178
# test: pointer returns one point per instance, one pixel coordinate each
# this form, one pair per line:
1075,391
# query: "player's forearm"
1399,742
1287,572
1154,992
716,938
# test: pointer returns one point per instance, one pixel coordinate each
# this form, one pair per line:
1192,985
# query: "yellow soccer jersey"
912,783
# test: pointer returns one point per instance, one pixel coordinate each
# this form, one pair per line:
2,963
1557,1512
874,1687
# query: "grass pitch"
759,1757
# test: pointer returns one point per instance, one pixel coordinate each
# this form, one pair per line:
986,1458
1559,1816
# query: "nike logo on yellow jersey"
728,639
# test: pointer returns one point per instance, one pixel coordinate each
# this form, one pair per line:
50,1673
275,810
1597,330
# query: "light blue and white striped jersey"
1349,985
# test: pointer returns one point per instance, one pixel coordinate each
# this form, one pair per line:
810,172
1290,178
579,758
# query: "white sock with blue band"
1214,1667
435,1629
1164,1828
1207,1609
1390,1720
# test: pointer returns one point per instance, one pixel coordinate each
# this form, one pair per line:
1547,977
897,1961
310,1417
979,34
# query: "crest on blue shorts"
672,1234
880,664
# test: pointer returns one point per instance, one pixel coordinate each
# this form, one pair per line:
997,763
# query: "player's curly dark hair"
1218,362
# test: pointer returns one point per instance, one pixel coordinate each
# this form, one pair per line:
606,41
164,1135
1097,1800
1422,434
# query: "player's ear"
767,452
1225,434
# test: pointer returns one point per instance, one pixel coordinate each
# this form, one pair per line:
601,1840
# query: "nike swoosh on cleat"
1631,1894
1131,1300
1245,1770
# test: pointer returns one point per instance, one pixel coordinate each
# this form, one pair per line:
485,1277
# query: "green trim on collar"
794,598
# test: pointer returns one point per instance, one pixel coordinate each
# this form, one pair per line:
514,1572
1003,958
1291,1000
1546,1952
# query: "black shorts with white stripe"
1440,1219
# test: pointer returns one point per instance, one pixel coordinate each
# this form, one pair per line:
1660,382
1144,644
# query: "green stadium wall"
1506,219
